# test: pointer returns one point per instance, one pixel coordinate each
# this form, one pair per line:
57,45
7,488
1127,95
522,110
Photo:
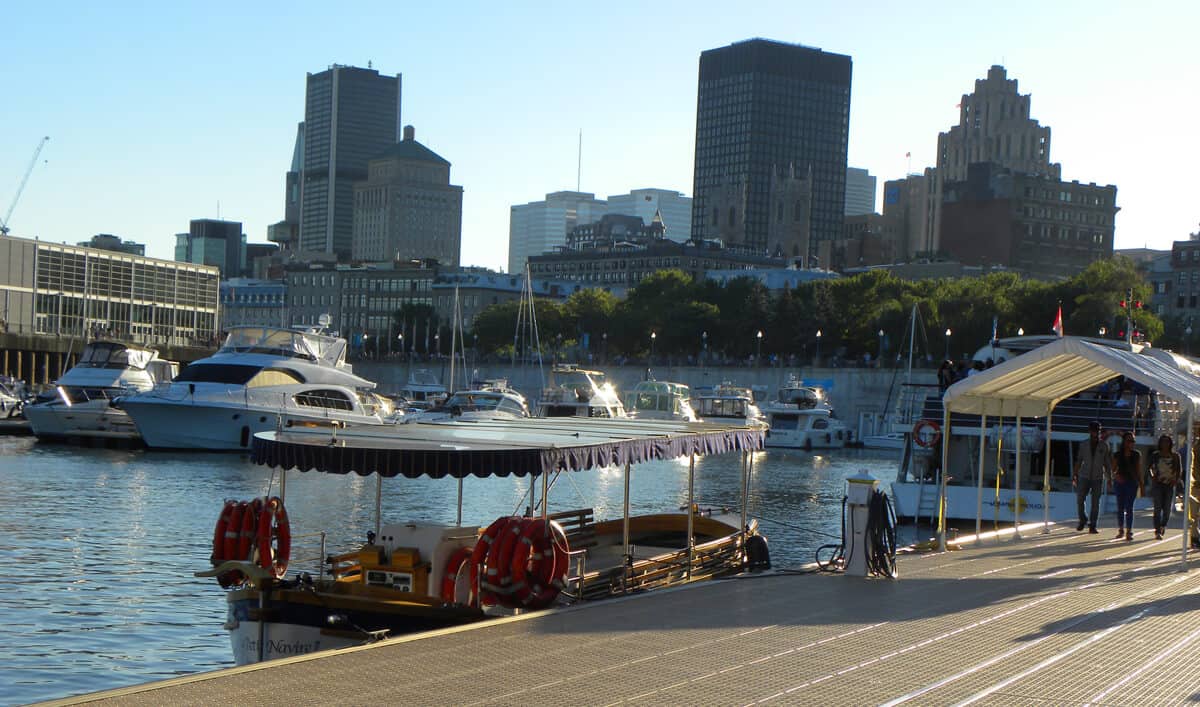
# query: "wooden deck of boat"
1063,618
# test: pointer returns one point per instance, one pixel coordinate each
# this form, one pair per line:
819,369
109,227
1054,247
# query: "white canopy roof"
1031,384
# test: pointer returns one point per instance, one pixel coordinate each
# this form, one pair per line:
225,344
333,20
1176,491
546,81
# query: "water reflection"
103,543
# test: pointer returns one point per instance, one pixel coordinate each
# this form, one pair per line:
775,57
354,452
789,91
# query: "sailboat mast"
453,336
912,337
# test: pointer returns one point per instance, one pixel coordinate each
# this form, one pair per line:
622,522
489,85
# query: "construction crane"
21,188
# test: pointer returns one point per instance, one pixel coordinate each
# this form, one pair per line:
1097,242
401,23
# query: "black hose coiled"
881,536
836,559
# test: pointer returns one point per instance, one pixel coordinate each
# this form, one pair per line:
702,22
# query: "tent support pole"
458,518
625,518
282,485
942,482
1188,471
979,473
691,539
745,496
1046,476
1020,447
378,504
545,495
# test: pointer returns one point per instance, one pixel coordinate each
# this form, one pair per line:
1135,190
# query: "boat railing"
303,559
1144,415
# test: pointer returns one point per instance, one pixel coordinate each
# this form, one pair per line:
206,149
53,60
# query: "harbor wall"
853,391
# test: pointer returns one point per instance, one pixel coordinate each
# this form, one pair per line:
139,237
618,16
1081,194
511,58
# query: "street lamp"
653,336
818,358
703,347
758,349
437,341
1021,331
1103,331
604,346
948,343
879,355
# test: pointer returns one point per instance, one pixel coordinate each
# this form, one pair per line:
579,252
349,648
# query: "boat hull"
169,425
92,419
962,503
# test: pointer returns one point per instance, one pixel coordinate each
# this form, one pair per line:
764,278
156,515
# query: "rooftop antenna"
579,162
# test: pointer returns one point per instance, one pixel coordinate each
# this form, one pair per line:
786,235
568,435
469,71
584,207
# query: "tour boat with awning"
416,576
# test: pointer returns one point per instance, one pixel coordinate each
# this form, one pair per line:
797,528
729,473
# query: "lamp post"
437,343
758,349
1021,331
653,336
947,343
604,347
817,360
1103,331
703,347
879,354
400,343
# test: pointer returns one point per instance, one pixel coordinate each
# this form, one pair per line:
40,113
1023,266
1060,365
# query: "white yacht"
422,390
575,392
728,404
490,400
800,417
261,378
660,400
80,403
12,396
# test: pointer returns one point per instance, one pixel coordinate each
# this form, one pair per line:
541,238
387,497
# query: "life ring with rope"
450,573
539,565
499,557
927,433
249,534
482,546
219,534
274,537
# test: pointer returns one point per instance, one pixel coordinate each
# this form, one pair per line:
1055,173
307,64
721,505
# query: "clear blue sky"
158,111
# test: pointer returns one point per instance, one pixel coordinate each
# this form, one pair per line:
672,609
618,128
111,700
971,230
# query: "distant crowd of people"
950,372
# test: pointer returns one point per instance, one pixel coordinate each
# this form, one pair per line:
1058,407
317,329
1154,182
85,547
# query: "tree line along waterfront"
671,318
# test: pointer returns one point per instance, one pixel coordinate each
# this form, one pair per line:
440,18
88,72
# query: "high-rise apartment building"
407,209
860,192
770,116
351,115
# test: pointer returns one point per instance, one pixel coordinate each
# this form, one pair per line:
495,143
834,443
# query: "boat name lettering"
278,648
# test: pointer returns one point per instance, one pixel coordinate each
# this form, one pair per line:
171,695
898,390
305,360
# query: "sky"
159,113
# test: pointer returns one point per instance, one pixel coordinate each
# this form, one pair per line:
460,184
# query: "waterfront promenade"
1064,618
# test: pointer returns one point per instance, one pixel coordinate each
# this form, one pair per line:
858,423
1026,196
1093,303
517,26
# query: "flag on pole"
1058,327
995,325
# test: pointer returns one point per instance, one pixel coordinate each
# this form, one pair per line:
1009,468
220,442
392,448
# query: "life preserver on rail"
450,573
478,555
498,579
274,537
219,534
539,564
248,537
926,433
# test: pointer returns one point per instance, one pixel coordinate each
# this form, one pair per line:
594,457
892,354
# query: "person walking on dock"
1094,462
1128,483
1166,470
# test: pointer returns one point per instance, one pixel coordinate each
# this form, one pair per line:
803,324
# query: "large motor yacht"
261,379
575,392
487,400
728,404
80,403
660,400
800,417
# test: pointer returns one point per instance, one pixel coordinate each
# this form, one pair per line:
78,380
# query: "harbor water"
101,545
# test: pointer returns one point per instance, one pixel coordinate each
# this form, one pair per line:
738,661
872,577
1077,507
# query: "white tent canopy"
1032,384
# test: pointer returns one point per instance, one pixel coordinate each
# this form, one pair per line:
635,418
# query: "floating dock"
1059,618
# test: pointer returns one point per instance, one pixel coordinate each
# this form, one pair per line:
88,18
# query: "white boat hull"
894,440
92,419
213,427
962,503
807,439
281,640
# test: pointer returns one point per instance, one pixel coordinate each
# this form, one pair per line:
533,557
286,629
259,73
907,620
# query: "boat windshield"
577,379
286,342
109,354
229,373
721,407
801,397
660,402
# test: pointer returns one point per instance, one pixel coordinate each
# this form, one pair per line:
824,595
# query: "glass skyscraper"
772,121
351,115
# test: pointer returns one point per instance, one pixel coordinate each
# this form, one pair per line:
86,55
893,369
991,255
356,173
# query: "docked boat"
422,390
488,400
576,392
416,576
13,397
80,405
728,404
660,400
262,378
801,417
1002,466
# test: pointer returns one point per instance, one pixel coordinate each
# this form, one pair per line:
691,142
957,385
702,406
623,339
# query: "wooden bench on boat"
579,525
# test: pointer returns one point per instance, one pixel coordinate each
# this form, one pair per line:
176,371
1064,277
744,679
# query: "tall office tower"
860,192
994,126
351,115
541,226
769,116
211,241
408,209
286,232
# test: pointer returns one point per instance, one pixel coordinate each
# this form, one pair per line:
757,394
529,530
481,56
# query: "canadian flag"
1058,327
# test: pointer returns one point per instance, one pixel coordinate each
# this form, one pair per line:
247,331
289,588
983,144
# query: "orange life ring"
479,555
274,537
926,440
540,564
500,556
220,533
249,532
450,573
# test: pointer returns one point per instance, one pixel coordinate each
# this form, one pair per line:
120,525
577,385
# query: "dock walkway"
1063,618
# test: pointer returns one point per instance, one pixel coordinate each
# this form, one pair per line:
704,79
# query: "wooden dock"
1063,618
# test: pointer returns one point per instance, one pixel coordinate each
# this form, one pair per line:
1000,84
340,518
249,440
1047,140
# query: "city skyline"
151,127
